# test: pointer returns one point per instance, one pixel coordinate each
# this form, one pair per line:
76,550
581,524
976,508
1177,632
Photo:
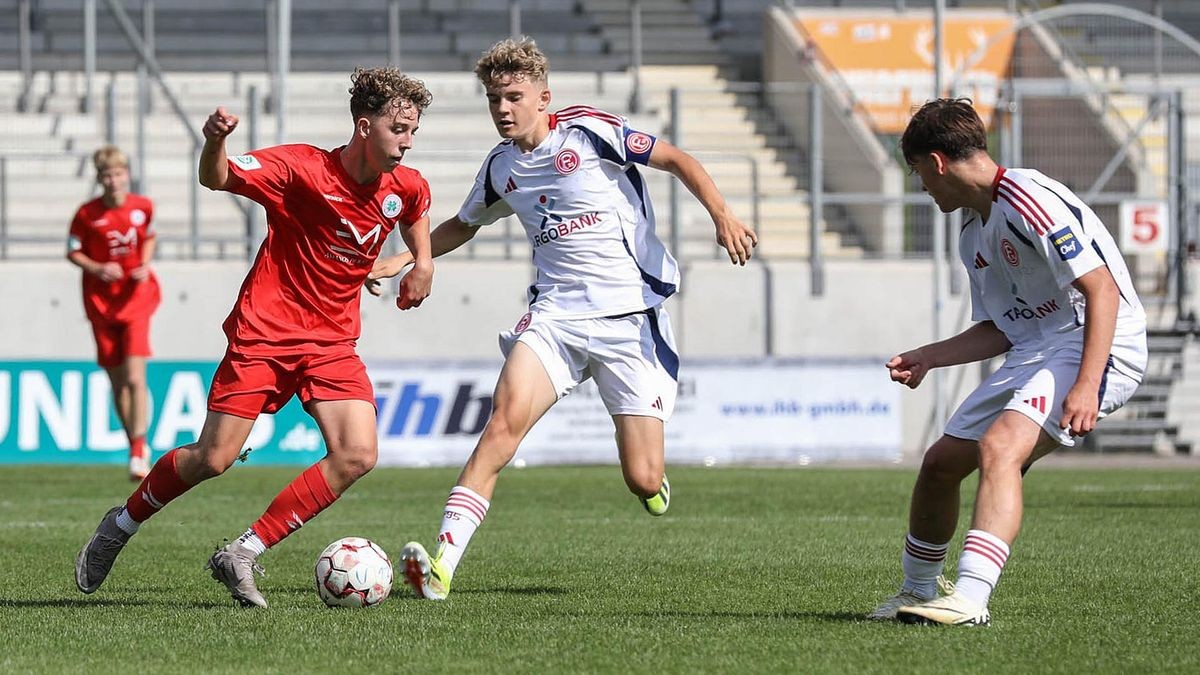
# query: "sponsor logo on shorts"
1037,403
638,143
1066,243
1010,252
523,323
566,162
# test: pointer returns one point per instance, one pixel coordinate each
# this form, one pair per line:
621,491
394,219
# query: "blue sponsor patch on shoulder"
1066,243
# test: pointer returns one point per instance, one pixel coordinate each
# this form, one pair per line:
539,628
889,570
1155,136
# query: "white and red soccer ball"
353,572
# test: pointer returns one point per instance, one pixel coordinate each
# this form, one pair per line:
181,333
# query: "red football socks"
158,488
299,502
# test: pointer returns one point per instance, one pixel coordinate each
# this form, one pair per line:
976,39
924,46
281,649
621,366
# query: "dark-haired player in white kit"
571,177
1050,290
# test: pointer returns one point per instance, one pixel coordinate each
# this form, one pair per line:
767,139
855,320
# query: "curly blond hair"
108,157
513,60
374,91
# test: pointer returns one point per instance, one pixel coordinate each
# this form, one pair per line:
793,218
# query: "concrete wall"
871,309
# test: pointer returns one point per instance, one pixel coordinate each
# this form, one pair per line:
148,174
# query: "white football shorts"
1035,390
632,357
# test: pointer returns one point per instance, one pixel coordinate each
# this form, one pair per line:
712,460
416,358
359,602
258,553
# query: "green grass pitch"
752,570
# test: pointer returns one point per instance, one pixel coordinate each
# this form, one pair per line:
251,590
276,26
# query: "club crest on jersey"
566,162
1010,253
137,217
392,206
1066,243
523,323
638,143
247,162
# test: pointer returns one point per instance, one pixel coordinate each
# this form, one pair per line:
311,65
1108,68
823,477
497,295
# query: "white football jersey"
1038,239
586,212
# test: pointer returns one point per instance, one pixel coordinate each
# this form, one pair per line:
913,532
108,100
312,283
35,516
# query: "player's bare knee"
997,453
354,462
643,478
499,439
940,466
201,462
645,483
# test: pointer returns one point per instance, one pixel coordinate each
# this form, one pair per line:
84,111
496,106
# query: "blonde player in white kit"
1049,289
571,177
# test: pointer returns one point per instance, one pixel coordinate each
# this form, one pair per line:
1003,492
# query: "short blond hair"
109,157
374,91
515,60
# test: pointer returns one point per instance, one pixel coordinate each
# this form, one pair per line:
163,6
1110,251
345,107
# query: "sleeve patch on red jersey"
246,162
392,206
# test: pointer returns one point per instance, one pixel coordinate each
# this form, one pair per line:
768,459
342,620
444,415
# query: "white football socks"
922,563
465,511
979,567
252,542
126,522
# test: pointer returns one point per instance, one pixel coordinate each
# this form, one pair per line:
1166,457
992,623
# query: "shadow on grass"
403,593
514,590
99,603
826,617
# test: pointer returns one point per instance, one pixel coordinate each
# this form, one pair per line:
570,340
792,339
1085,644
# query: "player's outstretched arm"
1103,299
445,238
734,236
981,341
214,167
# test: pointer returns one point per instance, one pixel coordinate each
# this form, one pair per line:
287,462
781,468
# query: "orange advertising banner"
887,61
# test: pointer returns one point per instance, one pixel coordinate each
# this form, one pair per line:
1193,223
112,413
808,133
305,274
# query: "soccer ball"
353,572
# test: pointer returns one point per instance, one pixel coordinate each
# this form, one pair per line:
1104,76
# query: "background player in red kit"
294,325
112,241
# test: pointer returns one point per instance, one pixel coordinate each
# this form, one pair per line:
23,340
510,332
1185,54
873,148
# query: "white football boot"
886,611
952,610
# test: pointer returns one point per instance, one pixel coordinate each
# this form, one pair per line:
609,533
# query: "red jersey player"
112,241
294,325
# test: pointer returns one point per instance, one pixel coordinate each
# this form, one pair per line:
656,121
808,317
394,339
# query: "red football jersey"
324,232
116,235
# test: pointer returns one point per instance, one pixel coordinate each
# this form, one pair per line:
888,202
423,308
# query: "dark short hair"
946,125
375,91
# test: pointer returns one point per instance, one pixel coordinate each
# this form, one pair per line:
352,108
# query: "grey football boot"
96,558
235,567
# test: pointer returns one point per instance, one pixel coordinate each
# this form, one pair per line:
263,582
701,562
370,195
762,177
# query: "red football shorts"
116,342
249,385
